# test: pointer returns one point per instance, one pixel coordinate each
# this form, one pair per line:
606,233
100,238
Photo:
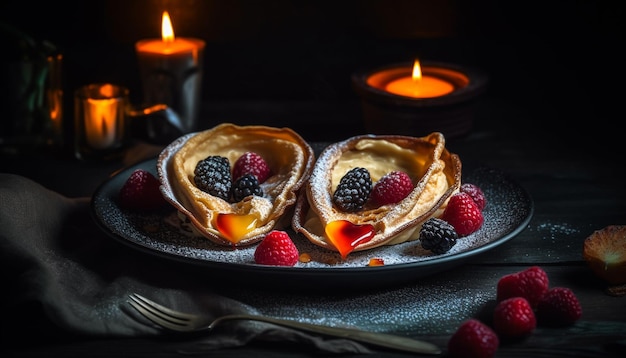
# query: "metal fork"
186,322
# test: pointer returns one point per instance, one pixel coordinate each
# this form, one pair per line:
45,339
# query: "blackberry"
437,236
212,175
246,185
353,190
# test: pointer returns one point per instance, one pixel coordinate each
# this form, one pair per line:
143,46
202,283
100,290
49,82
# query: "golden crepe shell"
289,157
435,172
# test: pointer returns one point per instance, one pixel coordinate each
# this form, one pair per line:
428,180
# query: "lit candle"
418,85
169,47
101,118
171,71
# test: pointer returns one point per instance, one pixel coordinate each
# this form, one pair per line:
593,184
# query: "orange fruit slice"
605,253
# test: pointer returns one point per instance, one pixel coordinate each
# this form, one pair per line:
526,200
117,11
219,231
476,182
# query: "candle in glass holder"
171,72
100,118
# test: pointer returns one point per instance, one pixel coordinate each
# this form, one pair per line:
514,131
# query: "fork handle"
372,338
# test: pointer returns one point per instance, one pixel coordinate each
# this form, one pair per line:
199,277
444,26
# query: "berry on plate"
437,236
392,188
473,339
476,193
276,249
141,192
605,253
531,284
558,307
251,163
463,213
514,318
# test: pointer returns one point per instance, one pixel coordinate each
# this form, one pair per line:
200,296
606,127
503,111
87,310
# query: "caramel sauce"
345,236
235,227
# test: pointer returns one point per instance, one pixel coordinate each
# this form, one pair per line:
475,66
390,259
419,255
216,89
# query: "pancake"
434,172
246,222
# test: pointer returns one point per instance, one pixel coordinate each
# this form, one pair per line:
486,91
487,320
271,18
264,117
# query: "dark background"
563,57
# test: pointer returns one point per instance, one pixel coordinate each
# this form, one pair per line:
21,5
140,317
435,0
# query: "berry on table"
212,175
276,249
463,213
514,318
473,339
354,190
251,163
476,193
141,192
392,188
558,307
437,236
531,284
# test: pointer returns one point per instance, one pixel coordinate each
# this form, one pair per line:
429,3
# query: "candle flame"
417,71
167,31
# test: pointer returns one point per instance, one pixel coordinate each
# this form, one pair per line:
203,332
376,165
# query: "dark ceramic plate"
508,211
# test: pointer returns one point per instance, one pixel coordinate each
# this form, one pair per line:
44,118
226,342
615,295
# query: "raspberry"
251,163
212,175
514,318
246,185
530,284
276,249
473,339
353,190
437,236
392,188
463,213
476,193
558,307
141,192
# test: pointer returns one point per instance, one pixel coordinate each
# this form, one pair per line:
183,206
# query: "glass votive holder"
31,95
101,125
54,99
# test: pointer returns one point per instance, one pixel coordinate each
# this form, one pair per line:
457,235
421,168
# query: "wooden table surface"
574,175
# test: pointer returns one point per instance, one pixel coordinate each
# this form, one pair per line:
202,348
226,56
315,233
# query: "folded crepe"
434,171
289,157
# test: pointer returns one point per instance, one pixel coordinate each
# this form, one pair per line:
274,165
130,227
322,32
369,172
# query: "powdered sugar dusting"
507,212
552,231
318,178
414,311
